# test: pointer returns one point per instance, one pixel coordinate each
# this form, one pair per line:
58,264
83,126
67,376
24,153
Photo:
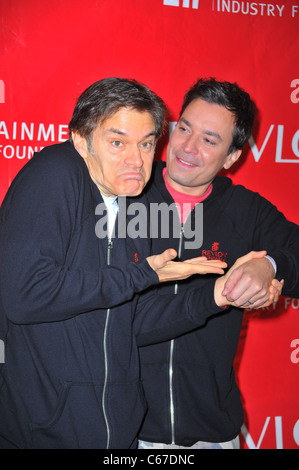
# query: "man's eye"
183,129
209,141
116,143
147,145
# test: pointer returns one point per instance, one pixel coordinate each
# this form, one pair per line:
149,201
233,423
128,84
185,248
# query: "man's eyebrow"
185,121
114,130
205,131
213,134
150,134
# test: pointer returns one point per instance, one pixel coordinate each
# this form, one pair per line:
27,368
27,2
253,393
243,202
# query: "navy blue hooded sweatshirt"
71,376
189,382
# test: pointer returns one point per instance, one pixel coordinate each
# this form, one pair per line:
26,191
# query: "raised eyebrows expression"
207,132
113,130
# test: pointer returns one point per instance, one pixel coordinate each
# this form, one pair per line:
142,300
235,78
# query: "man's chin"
131,191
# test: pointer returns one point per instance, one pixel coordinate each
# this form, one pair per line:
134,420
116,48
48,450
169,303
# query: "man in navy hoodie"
189,382
68,288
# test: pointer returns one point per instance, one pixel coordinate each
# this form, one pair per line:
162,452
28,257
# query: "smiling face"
198,147
121,158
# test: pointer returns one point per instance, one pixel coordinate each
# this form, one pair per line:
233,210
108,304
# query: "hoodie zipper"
170,370
110,246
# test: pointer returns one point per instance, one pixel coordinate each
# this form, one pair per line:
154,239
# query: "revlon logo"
279,158
214,252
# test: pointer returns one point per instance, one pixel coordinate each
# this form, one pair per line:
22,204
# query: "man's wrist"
272,261
219,299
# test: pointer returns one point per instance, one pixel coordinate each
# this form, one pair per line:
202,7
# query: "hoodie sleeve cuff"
142,275
202,303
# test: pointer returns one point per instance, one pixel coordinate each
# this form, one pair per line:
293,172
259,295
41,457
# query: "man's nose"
134,157
191,144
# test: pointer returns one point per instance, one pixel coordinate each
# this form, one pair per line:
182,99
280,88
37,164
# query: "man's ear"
232,158
80,144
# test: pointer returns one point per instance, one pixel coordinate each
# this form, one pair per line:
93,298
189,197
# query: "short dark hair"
105,97
233,98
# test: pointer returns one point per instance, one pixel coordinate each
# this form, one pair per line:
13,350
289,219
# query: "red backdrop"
51,51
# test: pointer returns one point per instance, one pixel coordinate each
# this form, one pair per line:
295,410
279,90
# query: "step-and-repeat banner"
51,51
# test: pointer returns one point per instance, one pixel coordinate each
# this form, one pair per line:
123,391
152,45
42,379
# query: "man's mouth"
184,162
133,175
